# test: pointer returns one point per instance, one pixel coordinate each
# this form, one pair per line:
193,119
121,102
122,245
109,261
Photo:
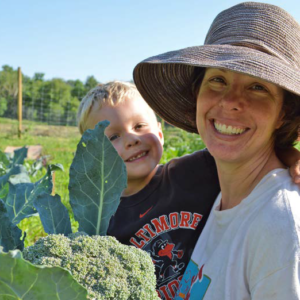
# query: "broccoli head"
107,268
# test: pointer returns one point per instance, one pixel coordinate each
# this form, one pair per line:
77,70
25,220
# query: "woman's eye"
217,80
258,87
113,137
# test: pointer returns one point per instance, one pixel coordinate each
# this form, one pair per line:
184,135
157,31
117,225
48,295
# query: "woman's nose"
232,101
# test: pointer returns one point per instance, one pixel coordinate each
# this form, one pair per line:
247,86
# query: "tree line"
41,97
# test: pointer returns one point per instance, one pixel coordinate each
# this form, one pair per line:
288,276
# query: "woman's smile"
228,129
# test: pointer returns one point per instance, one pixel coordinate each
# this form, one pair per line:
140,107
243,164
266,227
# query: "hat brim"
165,81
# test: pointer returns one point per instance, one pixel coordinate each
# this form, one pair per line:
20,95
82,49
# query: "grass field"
59,143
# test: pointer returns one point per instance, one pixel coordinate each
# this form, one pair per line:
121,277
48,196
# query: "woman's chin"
229,153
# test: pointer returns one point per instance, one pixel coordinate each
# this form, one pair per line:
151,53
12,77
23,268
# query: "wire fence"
44,109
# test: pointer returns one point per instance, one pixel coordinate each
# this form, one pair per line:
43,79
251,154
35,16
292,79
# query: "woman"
241,91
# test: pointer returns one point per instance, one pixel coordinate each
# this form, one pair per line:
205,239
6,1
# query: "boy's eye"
113,137
140,126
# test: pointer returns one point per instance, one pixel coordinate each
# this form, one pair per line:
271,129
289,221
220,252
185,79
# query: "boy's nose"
132,140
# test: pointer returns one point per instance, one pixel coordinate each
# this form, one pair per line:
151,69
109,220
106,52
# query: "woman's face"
237,114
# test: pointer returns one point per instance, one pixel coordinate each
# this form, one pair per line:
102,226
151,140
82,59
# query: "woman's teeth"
230,130
137,156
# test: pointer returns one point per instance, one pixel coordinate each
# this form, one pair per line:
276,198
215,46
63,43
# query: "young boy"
164,207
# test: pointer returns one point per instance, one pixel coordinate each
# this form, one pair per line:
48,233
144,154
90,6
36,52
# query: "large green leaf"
19,202
10,234
19,279
4,163
22,177
12,171
4,160
12,166
54,215
19,156
97,179
4,191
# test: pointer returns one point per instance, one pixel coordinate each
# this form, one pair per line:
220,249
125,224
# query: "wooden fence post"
20,103
53,184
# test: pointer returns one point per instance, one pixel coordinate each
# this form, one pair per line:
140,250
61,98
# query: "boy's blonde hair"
111,93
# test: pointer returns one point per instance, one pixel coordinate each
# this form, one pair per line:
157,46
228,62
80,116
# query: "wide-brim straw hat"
252,38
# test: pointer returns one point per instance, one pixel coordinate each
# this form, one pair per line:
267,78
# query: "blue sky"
73,39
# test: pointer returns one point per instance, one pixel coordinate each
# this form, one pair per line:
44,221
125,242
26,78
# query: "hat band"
252,44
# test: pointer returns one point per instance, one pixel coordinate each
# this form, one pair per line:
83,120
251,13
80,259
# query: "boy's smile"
135,134
140,155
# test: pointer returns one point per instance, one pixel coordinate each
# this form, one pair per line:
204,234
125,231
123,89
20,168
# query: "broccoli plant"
107,269
10,167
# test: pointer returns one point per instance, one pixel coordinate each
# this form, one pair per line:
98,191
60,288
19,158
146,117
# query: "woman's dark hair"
197,81
285,136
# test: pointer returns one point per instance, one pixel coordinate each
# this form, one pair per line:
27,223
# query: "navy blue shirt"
167,216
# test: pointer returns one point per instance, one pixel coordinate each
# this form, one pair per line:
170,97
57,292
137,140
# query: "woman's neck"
237,180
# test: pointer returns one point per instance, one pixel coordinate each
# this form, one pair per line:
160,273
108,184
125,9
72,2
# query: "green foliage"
38,77
57,149
8,89
19,279
16,203
54,96
19,156
97,179
90,83
12,166
107,268
17,196
179,142
3,105
10,236
21,197
54,215
78,88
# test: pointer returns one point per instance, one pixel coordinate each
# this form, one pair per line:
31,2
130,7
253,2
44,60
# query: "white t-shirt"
251,251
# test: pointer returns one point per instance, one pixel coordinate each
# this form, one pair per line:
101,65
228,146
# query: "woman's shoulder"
281,203
276,224
273,235
286,199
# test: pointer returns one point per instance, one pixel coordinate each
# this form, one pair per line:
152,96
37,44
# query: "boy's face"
135,134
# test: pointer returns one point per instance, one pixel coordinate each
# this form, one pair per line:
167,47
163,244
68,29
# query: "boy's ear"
160,133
